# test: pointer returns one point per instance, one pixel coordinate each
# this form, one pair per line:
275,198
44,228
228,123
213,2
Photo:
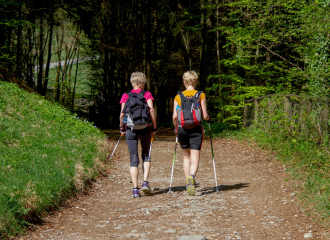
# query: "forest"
240,49
263,65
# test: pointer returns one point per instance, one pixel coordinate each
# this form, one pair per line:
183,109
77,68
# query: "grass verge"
45,155
307,163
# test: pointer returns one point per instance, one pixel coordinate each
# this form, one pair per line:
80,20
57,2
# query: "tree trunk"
232,72
59,50
112,84
155,76
218,53
45,86
73,56
41,56
204,46
71,52
148,47
29,58
18,47
75,82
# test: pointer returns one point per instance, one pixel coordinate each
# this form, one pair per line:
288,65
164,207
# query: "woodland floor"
254,201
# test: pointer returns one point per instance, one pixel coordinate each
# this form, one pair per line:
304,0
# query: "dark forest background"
240,50
263,64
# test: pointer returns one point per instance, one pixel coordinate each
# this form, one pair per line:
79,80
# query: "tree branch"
295,65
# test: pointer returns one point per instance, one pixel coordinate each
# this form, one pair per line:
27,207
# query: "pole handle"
152,138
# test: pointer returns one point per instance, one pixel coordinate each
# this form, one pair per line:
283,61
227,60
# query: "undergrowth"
295,140
45,155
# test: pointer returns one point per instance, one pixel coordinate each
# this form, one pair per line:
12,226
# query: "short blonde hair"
190,78
137,78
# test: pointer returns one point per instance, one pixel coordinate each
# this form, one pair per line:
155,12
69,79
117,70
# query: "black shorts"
190,138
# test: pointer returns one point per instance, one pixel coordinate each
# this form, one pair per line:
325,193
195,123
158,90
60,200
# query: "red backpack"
189,115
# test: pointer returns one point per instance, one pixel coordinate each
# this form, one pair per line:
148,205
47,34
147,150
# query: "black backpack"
189,115
137,110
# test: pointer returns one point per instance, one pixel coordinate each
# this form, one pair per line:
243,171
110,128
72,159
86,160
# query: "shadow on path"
209,190
206,190
173,189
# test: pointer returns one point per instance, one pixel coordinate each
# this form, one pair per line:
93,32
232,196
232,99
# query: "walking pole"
176,144
152,138
115,147
215,173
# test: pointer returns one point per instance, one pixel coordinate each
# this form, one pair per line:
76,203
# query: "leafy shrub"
298,132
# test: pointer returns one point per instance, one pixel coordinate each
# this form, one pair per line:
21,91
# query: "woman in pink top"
138,81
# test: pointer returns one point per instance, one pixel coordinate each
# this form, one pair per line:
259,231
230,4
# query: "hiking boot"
191,190
146,189
136,193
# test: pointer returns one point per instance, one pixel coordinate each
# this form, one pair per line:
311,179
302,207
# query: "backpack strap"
197,95
125,106
182,97
141,95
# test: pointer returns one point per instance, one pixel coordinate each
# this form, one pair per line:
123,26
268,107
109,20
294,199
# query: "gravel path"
254,201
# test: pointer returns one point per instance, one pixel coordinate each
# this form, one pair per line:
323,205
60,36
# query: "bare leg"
194,161
134,175
146,170
186,162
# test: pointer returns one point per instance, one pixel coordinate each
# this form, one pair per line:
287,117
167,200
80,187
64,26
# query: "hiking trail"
254,201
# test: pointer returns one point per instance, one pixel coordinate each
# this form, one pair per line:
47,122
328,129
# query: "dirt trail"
254,202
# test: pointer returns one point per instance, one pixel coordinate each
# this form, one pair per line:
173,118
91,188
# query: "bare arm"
204,110
152,113
175,115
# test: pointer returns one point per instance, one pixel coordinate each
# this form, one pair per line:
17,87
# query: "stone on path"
192,238
308,235
100,226
192,197
135,235
170,231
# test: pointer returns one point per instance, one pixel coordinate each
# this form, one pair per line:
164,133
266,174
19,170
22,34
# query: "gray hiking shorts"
132,137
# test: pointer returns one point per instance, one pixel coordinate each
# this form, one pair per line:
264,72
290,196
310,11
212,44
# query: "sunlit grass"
307,164
45,155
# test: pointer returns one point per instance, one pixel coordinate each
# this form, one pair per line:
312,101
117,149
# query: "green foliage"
45,153
298,133
269,47
314,48
304,161
240,49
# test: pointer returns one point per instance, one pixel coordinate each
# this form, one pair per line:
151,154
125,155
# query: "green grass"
45,155
307,163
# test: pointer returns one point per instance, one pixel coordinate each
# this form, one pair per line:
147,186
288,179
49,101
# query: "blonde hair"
190,78
137,78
